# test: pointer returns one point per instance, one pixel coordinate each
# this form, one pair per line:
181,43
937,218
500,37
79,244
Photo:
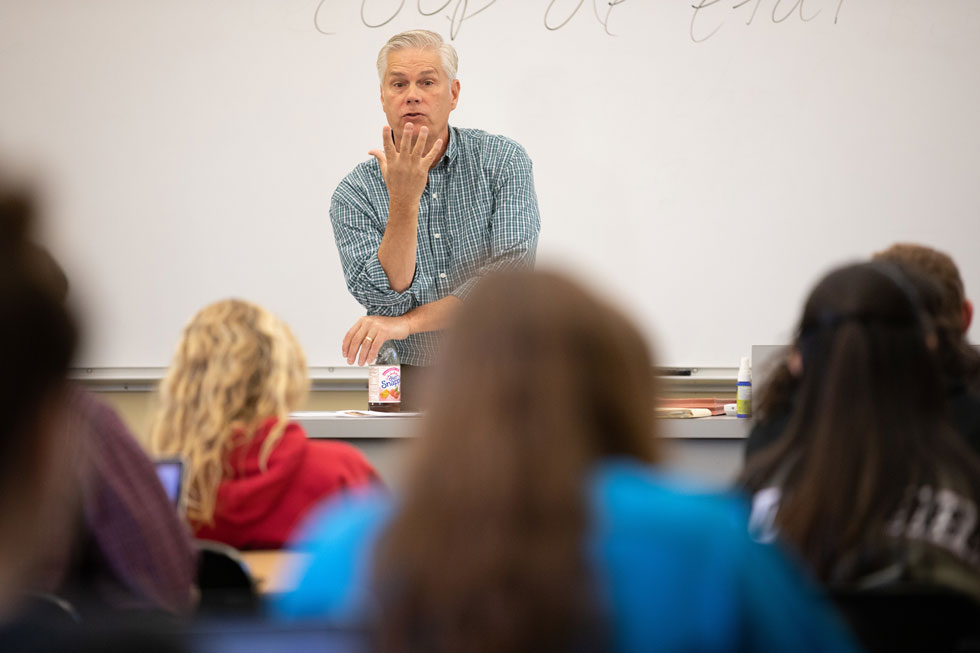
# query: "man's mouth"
413,115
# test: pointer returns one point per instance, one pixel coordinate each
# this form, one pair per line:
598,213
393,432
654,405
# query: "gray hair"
420,39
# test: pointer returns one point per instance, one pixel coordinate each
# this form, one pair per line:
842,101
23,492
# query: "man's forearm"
434,316
363,340
399,244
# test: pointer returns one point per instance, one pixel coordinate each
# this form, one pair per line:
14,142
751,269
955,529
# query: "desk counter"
336,425
708,448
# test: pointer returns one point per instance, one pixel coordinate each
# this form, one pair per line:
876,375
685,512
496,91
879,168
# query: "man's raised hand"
405,168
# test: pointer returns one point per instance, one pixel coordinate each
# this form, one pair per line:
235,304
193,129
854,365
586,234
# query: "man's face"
416,90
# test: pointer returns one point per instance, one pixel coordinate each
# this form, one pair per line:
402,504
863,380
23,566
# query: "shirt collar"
452,150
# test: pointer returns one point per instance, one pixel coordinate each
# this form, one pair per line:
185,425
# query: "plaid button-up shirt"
478,213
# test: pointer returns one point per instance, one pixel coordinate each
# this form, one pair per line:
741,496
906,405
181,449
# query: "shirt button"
438,235
435,196
442,275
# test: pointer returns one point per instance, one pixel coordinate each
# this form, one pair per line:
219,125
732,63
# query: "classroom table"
707,448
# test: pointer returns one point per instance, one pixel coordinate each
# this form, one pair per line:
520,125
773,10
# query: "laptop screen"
243,636
170,471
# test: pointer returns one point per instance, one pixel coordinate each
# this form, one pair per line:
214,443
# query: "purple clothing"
128,548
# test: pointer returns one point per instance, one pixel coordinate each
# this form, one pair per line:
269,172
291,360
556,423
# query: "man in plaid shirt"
434,210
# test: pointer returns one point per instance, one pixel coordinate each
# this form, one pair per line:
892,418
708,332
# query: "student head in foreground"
37,341
225,404
868,476
533,518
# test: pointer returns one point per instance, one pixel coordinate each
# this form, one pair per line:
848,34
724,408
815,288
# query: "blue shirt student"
479,212
677,571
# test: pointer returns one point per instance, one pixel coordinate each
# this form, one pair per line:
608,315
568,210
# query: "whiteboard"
699,162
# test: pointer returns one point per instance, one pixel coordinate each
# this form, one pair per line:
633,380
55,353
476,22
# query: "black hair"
37,334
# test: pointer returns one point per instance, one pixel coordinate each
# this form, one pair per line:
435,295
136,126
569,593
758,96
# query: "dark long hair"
869,419
538,381
37,340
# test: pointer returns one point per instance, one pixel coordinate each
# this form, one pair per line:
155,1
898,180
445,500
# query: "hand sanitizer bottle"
743,402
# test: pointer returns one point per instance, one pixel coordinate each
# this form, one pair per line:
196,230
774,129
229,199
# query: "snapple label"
385,387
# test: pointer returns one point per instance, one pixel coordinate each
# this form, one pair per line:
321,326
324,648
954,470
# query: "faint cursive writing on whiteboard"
707,16
557,14
703,27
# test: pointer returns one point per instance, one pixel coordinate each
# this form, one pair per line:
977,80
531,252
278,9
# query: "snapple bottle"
385,381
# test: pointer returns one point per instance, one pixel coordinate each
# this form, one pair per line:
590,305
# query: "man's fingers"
367,345
391,137
382,161
388,141
434,152
375,348
419,149
358,346
407,134
354,339
349,340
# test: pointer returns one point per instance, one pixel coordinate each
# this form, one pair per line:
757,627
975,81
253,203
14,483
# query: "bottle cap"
744,370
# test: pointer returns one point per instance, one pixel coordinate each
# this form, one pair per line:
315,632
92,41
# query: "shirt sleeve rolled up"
358,232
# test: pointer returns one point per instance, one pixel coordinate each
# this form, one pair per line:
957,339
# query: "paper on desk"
373,413
715,405
682,413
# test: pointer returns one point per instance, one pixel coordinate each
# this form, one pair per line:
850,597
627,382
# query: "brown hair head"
940,268
945,304
538,381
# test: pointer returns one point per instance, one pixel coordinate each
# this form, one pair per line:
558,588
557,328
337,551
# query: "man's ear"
967,315
454,89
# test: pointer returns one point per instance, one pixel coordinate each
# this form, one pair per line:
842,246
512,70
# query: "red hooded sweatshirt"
259,509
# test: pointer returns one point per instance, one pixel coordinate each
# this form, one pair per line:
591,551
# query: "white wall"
191,148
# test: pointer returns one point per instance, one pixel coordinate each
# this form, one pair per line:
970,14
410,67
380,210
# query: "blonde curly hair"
236,366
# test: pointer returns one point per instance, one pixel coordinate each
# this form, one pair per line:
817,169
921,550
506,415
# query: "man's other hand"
364,339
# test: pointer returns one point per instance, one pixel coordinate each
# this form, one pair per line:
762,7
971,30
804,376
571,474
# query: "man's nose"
413,94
